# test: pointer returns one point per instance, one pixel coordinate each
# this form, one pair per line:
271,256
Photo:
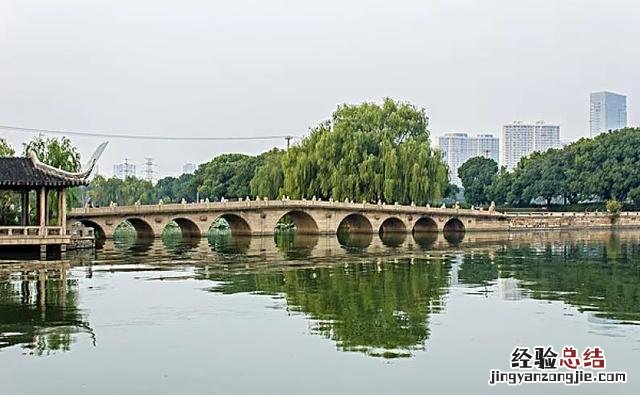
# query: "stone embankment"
595,220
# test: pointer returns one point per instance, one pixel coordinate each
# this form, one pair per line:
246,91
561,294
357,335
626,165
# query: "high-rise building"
457,148
521,139
188,168
608,112
124,170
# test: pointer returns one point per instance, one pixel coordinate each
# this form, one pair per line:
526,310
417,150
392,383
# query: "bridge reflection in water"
375,295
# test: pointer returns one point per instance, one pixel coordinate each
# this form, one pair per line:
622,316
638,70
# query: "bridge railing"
258,204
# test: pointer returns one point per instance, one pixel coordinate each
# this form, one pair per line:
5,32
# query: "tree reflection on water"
380,309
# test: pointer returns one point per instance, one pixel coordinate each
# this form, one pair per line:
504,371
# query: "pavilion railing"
30,231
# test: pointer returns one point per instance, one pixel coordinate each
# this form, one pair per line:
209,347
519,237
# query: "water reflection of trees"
378,308
603,277
39,311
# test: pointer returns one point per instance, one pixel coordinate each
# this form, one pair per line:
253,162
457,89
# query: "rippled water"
317,314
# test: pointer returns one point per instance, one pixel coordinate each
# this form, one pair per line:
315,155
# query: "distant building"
521,139
608,112
457,148
188,168
124,170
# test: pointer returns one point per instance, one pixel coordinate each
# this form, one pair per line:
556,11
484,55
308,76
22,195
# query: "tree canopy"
367,152
55,152
599,169
476,175
5,148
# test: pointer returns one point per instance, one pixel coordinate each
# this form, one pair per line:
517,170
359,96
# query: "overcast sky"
264,67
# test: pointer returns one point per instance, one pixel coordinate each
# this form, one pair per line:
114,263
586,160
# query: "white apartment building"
520,139
457,148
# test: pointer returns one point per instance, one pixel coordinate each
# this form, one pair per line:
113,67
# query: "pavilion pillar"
24,195
42,208
62,209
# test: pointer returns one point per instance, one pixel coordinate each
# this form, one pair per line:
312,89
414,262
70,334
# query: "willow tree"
367,152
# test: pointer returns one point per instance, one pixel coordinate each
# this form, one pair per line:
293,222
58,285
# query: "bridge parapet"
276,204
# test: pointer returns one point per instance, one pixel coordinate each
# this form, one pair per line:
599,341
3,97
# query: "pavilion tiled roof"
25,172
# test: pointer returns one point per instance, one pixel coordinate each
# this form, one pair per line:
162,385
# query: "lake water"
318,315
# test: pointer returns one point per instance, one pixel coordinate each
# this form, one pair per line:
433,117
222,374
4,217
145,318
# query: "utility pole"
288,138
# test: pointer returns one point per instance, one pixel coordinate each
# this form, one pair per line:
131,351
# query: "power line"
142,137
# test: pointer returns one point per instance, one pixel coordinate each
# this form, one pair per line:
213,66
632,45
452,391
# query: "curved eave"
53,171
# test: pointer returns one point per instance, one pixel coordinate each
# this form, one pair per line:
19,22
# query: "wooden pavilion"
28,177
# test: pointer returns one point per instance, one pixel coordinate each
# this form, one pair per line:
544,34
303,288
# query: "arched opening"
392,225
187,228
425,225
230,223
454,231
454,225
298,221
355,223
133,228
98,232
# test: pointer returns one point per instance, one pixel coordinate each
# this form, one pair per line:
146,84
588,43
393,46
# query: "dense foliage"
103,191
605,167
476,175
55,152
367,152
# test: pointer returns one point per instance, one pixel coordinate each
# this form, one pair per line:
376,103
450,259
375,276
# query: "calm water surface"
317,315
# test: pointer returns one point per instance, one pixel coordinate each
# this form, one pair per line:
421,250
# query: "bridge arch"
303,222
188,228
237,224
355,223
98,230
143,229
392,225
454,225
425,225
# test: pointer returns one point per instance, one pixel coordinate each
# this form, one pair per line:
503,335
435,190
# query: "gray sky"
264,67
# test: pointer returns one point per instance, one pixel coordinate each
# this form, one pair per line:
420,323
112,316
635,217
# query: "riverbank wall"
573,220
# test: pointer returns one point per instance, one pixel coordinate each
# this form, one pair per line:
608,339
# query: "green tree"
174,189
367,152
476,175
59,153
103,191
5,148
269,176
227,176
500,189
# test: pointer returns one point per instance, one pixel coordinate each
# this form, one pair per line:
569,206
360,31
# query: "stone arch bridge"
259,217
